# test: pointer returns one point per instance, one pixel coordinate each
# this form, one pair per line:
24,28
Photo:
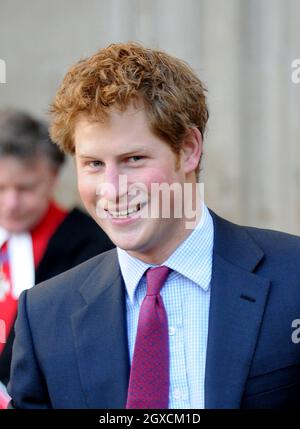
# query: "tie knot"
156,278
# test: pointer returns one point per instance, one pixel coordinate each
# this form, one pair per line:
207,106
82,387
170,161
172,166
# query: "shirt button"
177,394
172,330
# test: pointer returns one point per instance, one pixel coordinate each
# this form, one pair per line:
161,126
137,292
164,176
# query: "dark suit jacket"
77,239
71,348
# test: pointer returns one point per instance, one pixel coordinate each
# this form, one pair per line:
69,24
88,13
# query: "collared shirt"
186,296
21,261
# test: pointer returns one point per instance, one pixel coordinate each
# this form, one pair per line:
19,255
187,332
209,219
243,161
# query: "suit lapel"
100,336
238,299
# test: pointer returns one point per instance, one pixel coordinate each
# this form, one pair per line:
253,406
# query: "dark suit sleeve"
27,386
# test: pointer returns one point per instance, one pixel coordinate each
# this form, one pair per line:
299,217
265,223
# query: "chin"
126,245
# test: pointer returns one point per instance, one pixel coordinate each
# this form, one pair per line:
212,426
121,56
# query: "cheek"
87,187
34,204
154,175
162,175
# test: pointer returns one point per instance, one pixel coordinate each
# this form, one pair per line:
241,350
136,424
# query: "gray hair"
26,138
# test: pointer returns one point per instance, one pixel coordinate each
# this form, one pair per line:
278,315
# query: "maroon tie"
149,376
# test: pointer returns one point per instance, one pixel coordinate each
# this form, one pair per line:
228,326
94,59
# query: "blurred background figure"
38,239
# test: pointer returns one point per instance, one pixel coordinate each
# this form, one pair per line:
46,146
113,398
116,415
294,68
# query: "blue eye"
95,164
136,158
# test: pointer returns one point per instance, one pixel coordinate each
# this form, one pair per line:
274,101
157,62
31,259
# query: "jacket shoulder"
275,251
263,237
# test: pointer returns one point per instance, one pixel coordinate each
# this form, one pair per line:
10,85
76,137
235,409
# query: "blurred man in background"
38,239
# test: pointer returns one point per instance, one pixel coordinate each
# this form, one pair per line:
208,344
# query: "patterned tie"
149,376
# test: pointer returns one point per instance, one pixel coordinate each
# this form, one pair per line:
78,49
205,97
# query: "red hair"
173,96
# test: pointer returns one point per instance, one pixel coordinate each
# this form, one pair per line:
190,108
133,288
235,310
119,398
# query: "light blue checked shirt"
186,295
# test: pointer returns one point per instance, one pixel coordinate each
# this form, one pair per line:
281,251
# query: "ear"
191,150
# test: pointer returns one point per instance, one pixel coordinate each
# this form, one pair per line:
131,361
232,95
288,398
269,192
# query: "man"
38,239
178,316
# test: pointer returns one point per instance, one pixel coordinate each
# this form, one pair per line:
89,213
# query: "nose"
114,184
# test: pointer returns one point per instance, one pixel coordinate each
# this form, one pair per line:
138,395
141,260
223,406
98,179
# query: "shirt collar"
4,236
132,270
196,267
193,257
20,260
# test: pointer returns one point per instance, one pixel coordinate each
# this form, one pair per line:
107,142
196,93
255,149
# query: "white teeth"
124,213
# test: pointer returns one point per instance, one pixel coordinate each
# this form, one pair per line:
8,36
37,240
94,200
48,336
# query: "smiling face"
25,192
125,145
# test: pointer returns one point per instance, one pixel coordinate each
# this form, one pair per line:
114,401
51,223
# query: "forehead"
120,130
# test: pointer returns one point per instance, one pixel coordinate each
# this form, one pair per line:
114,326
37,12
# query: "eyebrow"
122,155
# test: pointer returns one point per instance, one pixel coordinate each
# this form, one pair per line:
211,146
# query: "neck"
170,243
